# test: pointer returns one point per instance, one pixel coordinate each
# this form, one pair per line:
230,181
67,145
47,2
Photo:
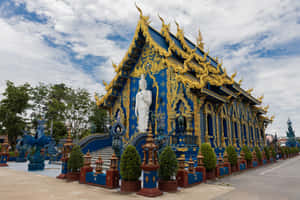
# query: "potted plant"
248,155
273,154
167,170
209,160
267,153
75,162
232,157
258,155
130,167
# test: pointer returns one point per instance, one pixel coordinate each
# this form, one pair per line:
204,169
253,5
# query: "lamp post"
4,153
150,166
87,158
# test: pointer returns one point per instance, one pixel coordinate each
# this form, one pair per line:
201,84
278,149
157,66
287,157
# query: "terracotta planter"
167,186
211,174
234,168
249,164
73,176
130,186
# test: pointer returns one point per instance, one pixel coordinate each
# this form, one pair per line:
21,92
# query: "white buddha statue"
142,105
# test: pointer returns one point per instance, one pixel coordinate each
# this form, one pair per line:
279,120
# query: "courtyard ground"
278,181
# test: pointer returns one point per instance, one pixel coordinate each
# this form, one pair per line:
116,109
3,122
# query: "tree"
98,119
12,108
78,106
290,135
39,98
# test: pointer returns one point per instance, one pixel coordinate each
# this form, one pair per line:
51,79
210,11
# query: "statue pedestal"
3,159
149,184
36,162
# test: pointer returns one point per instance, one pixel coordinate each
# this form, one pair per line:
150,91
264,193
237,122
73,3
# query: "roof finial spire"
240,81
200,42
161,19
139,9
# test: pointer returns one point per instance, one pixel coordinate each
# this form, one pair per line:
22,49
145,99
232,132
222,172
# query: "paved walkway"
279,181
19,185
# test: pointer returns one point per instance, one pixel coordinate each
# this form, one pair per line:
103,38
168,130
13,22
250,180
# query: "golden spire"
229,97
144,18
200,42
266,108
261,98
249,91
104,83
115,66
240,81
97,100
161,19
233,75
139,9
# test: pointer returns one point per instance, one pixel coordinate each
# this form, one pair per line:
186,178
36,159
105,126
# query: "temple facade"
189,88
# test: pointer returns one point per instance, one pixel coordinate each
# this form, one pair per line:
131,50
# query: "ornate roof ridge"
207,74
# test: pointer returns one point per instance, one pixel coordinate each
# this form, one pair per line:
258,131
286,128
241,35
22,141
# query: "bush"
273,152
248,154
258,154
75,161
209,157
12,154
267,152
168,164
130,165
232,155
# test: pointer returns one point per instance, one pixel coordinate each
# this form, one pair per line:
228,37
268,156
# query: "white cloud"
24,58
253,24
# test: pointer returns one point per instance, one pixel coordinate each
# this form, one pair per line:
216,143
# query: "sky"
75,42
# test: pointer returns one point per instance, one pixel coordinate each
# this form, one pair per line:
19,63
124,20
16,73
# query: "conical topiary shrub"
75,162
209,160
232,156
258,154
168,166
267,152
130,167
248,154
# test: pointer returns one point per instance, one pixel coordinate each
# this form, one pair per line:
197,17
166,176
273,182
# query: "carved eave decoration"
195,61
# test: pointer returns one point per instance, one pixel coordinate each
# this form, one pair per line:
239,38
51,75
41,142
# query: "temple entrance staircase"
105,153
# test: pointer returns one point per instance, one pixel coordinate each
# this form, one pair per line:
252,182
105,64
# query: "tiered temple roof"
193,66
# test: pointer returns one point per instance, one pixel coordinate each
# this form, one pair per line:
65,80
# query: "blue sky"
75,42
